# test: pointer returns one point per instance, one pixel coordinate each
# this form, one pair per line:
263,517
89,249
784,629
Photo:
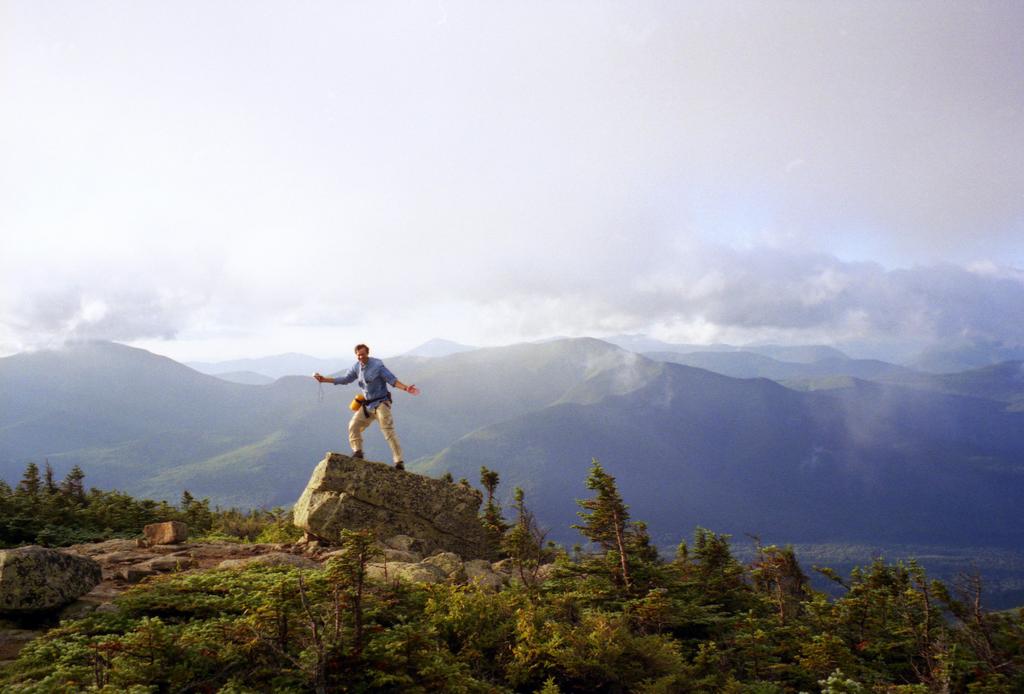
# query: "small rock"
92,549
169,549
165,564
78,609
120,557
13,640
215,550
134,574
104,592
272,559
167,533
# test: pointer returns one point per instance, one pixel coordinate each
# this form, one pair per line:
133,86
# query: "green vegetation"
41,511
615,619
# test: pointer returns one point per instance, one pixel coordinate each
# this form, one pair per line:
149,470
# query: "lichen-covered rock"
37,578
545,572
449,563
477,567
489,580
386,571
346,493
168,533
479,571
404,543
505,566
399,555
421,573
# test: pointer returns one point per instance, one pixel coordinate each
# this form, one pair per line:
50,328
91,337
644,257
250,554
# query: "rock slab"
36,578
346,493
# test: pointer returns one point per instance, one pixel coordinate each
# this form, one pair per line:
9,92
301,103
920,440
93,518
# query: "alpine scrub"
616,619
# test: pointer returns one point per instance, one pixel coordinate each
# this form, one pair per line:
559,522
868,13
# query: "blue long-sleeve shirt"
374,379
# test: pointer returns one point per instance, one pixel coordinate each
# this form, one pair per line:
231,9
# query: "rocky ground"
125,563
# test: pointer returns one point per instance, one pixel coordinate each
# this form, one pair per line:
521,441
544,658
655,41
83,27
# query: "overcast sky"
213,179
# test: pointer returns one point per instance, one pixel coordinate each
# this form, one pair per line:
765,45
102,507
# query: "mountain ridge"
690,446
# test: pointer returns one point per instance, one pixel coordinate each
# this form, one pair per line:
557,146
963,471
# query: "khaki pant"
357,425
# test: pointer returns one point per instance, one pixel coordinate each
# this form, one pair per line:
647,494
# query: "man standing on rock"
374,379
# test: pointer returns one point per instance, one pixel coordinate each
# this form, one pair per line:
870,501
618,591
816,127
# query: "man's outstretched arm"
344,380
411,389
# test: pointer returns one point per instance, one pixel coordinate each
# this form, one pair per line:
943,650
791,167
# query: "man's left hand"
412,390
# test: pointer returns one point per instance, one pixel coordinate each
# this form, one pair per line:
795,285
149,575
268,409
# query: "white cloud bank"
228,180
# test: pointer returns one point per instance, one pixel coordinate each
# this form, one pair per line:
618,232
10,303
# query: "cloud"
702,170
718,293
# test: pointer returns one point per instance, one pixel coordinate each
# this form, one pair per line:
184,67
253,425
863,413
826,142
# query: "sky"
223,179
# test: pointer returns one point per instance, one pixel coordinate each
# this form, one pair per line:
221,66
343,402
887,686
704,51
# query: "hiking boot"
357,454
399,465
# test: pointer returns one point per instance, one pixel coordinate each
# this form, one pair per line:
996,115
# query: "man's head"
362,353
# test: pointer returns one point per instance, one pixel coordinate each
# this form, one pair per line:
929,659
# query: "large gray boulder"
346,493
35,578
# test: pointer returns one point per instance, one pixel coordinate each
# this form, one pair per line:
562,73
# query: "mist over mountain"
249,378
962,355
802,354
1003,382
931,460
744,364
276,366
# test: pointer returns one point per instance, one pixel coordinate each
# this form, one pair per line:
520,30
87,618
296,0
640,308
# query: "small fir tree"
49,483
524,542
492,520
606,518
73,487
29,485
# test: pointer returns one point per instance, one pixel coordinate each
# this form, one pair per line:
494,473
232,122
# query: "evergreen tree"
49,484
606,519
73,488
29,485
777,574
493,522
524,542
711,566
